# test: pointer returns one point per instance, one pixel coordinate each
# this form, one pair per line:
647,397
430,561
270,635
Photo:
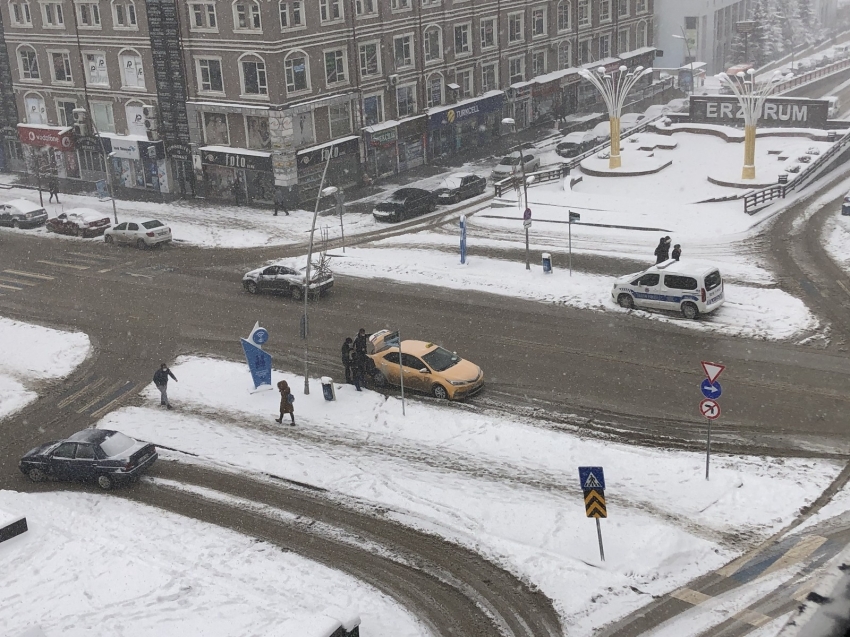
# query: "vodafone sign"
56,136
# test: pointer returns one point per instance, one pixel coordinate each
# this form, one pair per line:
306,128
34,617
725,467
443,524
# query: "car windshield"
441,359
509,161
388,206
712,280
451,183
152,224
116,444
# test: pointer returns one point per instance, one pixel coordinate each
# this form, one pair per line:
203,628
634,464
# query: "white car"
671,285
510,165
143,233
287,277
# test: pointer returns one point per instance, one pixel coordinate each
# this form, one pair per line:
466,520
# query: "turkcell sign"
795,112
259,362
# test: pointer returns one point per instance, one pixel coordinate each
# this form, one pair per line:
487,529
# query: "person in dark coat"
286,406
677,252
360,357
348,358
237,189
662,252
280,201
160,379
53,186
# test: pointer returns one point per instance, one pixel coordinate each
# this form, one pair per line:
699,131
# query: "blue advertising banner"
259,362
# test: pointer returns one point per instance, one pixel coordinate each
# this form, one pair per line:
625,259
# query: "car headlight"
459,382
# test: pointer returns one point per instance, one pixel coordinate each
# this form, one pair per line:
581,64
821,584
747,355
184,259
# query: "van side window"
712,280
676,282
648,280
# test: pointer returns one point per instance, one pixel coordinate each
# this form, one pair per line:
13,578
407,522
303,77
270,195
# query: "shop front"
11,151
519,103
381,142
411,142
49,151
465,125
343,170
237,174
137,164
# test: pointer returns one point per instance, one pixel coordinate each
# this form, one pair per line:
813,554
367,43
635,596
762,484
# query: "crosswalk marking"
753,618
690,596
75,395
65,265
32,275
112,403
9,287
17,282
797,553
93,257
100,397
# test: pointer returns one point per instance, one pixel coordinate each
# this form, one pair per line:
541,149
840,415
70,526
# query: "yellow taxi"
427,367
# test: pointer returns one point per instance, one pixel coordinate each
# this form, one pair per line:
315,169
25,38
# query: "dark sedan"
108,457
405,203
459,187
20,213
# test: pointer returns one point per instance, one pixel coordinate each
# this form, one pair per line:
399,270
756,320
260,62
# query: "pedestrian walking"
348,358
677,252
360,357
53,187
280,201
286,400
662,252
160,379
237,189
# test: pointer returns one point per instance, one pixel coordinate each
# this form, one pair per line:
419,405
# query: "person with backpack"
286,400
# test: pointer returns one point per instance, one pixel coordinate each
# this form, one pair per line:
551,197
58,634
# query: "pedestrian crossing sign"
591,478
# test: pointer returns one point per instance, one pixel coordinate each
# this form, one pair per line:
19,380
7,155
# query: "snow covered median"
506,487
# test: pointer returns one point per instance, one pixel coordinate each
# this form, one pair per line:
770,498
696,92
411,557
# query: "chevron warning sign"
594,503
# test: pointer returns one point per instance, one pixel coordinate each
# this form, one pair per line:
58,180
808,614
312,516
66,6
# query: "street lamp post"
751,97
614,92
509,121
684,38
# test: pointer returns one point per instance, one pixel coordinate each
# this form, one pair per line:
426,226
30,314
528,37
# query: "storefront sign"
466,111
125,148
348,146
777,111
237,160
57,137
179,151
93,144
386,137
9,133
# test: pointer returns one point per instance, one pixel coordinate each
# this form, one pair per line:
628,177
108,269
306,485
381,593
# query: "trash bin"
547,263
328,388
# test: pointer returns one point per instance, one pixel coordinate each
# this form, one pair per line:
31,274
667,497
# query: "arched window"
565,11
434,89
641,35
246,15
19,10
28,63
135,118
433,42
252,71
132,69
297,72
124,14
564,55
34,106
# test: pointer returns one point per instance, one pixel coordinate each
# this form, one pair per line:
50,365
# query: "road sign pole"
401,373
570,226
527,254
599,535
708,450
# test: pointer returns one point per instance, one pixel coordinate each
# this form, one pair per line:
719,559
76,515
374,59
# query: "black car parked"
109,457
405,203
20,213
459,187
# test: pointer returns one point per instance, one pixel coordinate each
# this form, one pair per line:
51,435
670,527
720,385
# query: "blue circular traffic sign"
260,336
710,390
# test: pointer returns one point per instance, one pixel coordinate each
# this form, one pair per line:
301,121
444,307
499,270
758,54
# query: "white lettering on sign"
726,109
469,110
711,110
769,111
333,151
236,161
801,113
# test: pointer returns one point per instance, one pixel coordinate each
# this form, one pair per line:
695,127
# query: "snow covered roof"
374,128
24,205
131,138
637,52
462,103
238,151
333,142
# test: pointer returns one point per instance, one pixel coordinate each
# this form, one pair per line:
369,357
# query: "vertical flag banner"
259,361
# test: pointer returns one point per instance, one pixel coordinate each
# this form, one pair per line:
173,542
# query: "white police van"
672,285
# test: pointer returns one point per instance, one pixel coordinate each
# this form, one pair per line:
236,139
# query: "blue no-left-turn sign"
260,336
711,390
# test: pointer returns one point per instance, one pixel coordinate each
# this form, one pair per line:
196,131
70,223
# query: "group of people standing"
354,358
662,252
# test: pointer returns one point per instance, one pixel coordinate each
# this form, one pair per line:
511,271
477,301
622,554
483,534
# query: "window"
400,4
135,119
373,109
623,41
564,55
712,280
335,66
92,161
258,133
405,97
36,111
648,280
402,51
604,46
584,13
623,8
640,38
434,90
216,131
65,111
584,52
462,46
464,80
515,25
641,6
53,14
292,14
209,76
295,69
690,23
489,77
61,66
96,69
20,12
430,3
564,15
124,14
604,10
246,15
84,452
102,116
676,282
28,63
330,10
202,16
538,63
89,15
516,69
369,61
364,7
433,45
488,33
254,81
132,71
340,119
65,450
538,22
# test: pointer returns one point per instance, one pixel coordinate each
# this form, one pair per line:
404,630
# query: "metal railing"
514,182
805,78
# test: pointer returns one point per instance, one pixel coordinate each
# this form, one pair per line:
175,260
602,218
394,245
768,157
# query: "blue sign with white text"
591,478
710,390
259,362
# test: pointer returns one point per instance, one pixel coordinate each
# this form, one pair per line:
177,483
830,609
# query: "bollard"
547,263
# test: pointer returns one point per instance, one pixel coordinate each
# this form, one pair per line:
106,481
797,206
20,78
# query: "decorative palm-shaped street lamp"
614,90
751,97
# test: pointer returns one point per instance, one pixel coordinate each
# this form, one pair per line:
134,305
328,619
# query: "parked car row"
406,203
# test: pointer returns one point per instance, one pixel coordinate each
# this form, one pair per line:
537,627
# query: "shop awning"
58,137
335,142
242,158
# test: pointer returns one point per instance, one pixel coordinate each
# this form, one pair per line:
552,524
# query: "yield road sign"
710,409
712,370
591,478
711,390
594,504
